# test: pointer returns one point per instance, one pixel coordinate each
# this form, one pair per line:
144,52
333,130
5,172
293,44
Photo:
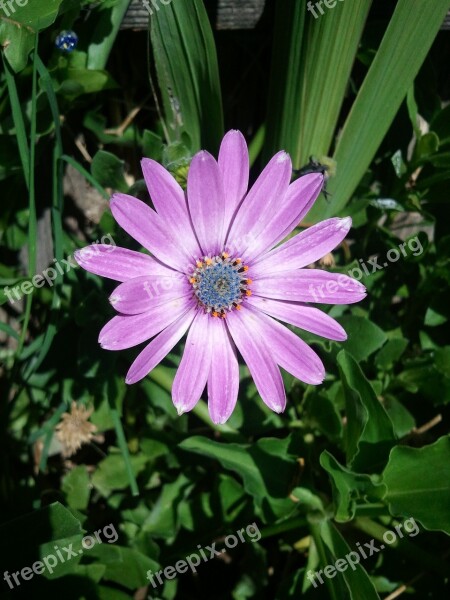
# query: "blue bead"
66,41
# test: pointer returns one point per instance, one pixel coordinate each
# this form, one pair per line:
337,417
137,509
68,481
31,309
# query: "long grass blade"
188,75
406,43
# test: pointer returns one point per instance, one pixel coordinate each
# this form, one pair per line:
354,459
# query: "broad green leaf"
125,566
188,76
390,353
108,170
266,467
28,538
408,38
364,337
77,487
369,433
18,27
352,582
418,484
349,489
111,473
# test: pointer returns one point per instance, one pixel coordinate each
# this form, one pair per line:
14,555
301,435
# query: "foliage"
361,87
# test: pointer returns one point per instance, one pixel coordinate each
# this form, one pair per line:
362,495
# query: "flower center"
220,283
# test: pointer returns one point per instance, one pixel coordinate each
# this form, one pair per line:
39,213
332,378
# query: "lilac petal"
118,263
308,318
126,331
256,211
138,295
159,347
206,202
289,351
310,285
192,374
255,351
170,203
287,214
148,228
305,248
234,167
223,380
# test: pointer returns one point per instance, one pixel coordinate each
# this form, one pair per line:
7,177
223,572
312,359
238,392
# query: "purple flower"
217,273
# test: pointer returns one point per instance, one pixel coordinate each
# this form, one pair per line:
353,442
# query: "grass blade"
405,45
188,75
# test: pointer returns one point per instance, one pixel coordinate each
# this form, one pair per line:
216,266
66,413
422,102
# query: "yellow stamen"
248,292
193,280
238,307
199,264
208,261
245,268
249,281
225,255
238,261
215,314
224,315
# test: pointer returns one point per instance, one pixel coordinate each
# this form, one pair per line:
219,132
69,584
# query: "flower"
74,429
217,273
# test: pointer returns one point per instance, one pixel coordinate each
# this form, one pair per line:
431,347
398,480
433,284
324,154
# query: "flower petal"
118,263
192,374
140,294
262,366
305,248
287,213
308,318
234,168
148,228
206,202
126,331
255,212
223,380
310,285
289,351
170,203
159,347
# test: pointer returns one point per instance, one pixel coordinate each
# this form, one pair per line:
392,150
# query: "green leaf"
353,583
188,75
76,486
349,487
152,145
408,38
108,170
18,26
418,484
111,473
312,62
369,433
34,535
266,468
364,337
390,353
125,566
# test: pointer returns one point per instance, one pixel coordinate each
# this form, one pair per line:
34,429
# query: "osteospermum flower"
217,273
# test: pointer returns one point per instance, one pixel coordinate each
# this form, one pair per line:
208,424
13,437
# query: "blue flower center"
220,283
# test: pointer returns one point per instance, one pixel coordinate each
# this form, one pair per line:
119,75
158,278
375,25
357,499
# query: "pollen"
220,284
